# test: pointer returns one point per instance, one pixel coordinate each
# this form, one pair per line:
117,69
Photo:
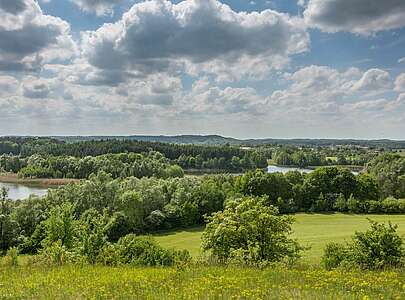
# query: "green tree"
60,227
249,228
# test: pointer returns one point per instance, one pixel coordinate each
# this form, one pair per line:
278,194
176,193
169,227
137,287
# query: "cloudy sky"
241,68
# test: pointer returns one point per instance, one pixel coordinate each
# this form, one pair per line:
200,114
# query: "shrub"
56,254
249,229
379,247
334,255
146,252
12,257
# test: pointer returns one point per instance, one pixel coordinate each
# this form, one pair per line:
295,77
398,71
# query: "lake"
19,191
278,169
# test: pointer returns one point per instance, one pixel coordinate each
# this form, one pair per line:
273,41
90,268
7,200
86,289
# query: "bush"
145,251
12,257
379,247
249,229
56,254
334,255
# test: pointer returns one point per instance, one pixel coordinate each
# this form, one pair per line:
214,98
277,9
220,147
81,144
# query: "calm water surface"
19,191
277,169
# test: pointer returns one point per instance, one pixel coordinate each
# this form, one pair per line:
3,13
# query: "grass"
314,230
303,281
197,282
40,182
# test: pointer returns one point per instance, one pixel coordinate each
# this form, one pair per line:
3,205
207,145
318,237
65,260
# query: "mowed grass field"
313,230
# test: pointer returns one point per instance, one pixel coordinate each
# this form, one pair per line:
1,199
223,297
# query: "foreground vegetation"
198,282
91,239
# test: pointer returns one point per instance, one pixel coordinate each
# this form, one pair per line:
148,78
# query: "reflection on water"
18,191
277,169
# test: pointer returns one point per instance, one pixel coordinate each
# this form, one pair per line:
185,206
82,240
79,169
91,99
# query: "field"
314,230
197,282
306,280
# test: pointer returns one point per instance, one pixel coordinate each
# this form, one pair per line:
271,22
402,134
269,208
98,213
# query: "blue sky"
248,69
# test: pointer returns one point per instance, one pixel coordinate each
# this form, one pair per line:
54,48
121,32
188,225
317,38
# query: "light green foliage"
60,227
91,236
341,203
249,228
12,257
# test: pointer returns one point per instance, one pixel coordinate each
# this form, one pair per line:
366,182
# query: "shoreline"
42,182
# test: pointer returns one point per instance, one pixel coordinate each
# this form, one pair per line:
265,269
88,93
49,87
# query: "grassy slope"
196,282
314,230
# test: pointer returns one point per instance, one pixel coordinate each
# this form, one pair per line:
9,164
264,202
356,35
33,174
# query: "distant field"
314,230
402,152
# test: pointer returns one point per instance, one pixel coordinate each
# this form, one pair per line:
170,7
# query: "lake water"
19,191
278,169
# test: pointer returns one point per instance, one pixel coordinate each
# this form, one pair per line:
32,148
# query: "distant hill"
220,140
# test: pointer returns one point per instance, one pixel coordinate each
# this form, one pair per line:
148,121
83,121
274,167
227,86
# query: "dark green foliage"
377,248
9,228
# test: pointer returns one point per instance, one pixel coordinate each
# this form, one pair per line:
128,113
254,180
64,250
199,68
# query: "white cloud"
36,89
8,85
361,16
157,36
28,38
374,80
400,83
401,60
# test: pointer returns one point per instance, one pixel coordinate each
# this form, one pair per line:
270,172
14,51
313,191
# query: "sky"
240,68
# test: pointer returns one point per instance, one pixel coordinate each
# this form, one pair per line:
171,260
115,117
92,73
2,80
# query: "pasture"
313,230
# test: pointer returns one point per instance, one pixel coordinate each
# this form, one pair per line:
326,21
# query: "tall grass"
197,282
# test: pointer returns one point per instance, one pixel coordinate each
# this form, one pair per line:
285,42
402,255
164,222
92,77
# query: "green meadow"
312,230
305,280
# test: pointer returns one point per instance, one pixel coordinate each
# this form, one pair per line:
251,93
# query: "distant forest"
220,140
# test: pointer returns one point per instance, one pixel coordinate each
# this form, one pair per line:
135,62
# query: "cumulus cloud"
8,84
400,83
28,38
401,60
360,16
324,90
100,7
36,89
374,80
13,6
159,36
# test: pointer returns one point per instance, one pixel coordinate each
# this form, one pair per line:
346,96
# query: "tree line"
146,204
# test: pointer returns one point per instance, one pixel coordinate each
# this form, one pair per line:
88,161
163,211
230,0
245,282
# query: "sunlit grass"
314,230
197,282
